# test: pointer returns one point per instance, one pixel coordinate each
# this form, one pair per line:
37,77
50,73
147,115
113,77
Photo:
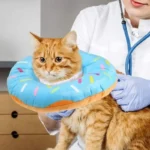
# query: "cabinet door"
23,124
26,142
7,106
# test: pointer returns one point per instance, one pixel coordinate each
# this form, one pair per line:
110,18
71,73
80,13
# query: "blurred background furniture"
20,129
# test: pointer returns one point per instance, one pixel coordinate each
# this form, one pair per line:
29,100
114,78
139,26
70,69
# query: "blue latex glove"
132,93
60,115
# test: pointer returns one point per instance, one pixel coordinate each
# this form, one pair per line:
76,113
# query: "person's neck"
134,21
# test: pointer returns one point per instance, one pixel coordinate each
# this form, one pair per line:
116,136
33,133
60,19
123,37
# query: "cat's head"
56,59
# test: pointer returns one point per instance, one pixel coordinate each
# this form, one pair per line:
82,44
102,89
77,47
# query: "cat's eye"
58,59
42,59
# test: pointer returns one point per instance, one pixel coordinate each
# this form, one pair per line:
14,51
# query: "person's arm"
51,121
50,125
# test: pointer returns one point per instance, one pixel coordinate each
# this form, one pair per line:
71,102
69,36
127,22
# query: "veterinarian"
118,31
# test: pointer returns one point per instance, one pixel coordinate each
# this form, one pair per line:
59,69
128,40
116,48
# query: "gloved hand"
132,93
60,115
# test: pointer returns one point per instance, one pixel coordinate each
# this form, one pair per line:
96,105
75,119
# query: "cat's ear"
70,40
36,39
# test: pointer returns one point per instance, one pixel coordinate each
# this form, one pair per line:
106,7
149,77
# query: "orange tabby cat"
101,125
56,59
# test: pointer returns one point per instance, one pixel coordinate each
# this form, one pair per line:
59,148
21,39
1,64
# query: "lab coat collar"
144,24
142,30
144,27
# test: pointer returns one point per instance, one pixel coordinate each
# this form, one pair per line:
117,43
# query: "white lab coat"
100,32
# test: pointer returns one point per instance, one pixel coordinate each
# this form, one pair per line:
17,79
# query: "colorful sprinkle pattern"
98,73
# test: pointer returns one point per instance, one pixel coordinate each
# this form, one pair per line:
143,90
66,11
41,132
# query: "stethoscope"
128,63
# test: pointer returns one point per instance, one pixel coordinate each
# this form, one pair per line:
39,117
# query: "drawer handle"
14,134
14,114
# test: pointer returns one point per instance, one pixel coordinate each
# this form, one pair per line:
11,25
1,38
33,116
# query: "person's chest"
111,44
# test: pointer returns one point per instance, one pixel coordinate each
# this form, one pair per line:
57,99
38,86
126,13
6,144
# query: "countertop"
3,77
6,64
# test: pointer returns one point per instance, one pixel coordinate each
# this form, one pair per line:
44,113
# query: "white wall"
17,19
51,18
57,16
48,18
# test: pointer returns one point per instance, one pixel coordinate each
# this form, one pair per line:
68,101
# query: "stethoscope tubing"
128,62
